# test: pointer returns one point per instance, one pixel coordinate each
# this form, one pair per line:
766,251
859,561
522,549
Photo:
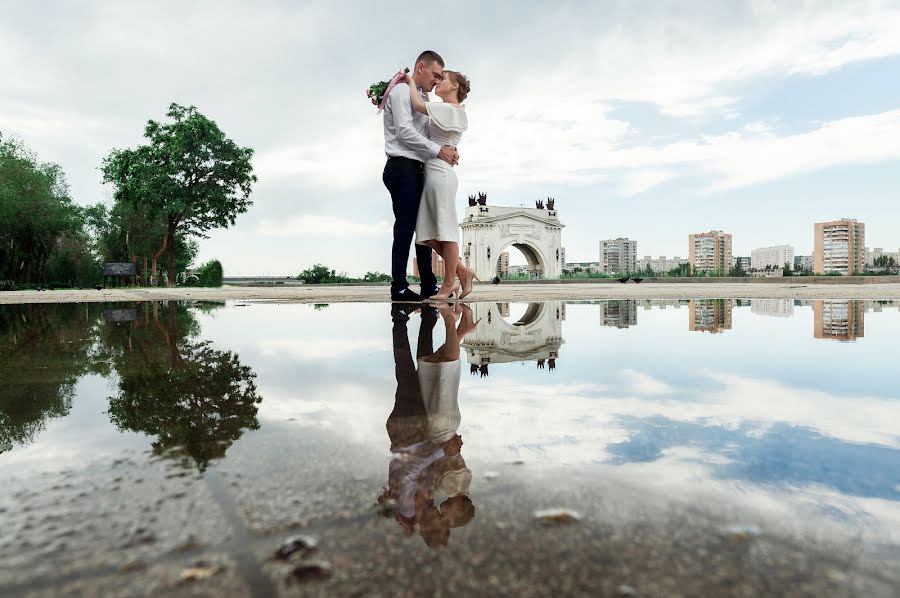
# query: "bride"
437,225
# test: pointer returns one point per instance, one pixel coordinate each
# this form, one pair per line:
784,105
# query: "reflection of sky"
763,414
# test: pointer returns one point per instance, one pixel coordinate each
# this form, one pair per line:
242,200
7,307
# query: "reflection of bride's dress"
439,383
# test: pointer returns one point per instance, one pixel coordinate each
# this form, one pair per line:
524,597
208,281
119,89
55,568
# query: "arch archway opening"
522,262
520,314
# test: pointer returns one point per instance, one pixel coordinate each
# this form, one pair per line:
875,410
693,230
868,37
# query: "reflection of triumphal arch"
536,336
490,230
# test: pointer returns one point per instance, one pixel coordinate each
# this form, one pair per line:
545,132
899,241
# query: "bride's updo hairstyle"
464,85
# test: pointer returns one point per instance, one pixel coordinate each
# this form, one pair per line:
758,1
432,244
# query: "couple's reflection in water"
428,480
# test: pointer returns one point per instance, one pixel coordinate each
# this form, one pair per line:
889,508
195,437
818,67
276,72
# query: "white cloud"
644,384
322,226
321,348
636,181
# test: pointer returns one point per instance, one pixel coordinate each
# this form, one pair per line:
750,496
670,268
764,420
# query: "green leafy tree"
189,176
376,277
321,274
681,270
210,274
737,269
37,218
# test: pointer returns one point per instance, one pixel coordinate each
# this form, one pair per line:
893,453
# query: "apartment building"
710,251
660,264
503,264
437,265
840,247
772,257
618,256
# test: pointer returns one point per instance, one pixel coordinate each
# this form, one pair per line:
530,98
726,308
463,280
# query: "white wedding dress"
437,209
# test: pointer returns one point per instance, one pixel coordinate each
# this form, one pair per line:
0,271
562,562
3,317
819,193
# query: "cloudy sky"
650,120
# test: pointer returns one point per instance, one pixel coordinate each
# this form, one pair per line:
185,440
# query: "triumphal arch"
535,336
487,231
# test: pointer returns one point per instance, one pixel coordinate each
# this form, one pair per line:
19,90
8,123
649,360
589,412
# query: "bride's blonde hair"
464,85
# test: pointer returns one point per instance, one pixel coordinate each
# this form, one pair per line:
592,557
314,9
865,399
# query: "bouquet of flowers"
377,92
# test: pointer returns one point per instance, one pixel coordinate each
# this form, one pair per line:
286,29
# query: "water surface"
144,437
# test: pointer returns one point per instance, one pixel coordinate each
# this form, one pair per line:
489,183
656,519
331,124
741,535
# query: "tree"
681,270
37,217
189,176
210,274
376,277
737,269
319,274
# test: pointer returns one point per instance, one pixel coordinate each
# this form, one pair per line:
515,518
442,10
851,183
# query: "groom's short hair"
429,56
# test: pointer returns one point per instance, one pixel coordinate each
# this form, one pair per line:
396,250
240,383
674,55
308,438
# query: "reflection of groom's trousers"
408,423
405,178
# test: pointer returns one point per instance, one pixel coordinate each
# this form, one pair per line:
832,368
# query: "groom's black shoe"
405,295
400,312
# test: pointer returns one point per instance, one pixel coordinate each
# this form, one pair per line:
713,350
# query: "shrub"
320,274
210,274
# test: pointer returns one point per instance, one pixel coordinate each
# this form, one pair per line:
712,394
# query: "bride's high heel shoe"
470,281
445,296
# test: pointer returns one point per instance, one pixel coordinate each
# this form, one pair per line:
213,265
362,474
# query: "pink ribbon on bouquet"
396,79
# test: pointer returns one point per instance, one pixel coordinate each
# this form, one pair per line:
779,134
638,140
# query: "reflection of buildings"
710,315
840,247
536,336
839,320
437,265
710,251
649,304
619,314
503,309
779,308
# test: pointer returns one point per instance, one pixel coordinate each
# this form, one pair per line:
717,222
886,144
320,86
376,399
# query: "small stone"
627,590
312,571
491,475
132,566
837,576
518,462
294,545
741,533
556,516
198,571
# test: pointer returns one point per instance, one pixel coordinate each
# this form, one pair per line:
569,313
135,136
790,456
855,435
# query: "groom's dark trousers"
405,178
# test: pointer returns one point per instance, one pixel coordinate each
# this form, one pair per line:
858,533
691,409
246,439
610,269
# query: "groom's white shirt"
406,132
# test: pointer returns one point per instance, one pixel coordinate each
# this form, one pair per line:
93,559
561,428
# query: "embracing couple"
420,139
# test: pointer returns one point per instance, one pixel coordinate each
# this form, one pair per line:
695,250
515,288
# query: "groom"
407,146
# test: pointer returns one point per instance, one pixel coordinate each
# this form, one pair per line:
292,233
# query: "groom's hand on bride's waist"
449,155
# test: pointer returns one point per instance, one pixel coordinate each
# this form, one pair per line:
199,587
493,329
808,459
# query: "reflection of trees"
195,399
44,350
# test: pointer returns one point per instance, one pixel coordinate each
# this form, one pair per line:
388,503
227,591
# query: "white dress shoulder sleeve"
447,116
